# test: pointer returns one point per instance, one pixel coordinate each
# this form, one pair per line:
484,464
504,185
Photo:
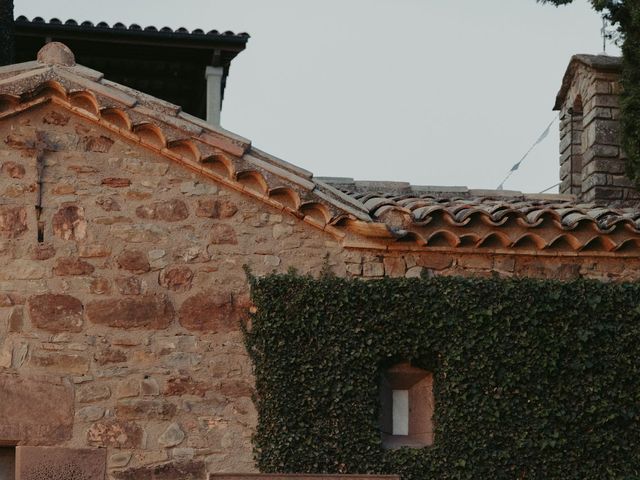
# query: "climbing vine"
532,379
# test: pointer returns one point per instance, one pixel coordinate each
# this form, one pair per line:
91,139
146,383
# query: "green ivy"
533,379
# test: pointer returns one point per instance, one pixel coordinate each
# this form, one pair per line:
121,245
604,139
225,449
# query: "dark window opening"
7,463
406,407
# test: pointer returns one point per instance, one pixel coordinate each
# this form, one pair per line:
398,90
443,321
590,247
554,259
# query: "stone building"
125,225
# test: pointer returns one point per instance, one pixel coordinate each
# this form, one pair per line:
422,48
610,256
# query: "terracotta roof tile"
382,215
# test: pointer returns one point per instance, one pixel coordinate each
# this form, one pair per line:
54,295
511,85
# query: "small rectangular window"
7,463
400,412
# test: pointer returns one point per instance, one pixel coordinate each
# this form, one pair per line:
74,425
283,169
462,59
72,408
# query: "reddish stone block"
13,169
69,223
43,251
170,211
435,260
70,266
56,313
222,234
176,278
212,208
62,363
235,388
35,411
54,463
13,221
115,434
134,261
116,182
209,312
153,311
185,385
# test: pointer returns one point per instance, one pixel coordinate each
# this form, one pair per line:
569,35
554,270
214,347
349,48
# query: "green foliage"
533,379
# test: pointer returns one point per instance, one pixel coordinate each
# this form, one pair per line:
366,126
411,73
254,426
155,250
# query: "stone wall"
122,290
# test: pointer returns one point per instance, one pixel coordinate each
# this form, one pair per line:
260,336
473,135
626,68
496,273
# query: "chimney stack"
592,164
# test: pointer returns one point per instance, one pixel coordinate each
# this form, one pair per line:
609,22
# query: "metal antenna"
605,35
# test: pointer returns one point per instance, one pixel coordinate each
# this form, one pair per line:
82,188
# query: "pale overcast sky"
434,92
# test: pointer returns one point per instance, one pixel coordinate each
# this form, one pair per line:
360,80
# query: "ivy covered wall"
533,379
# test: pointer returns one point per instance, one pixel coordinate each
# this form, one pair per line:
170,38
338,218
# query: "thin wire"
536,143
552,186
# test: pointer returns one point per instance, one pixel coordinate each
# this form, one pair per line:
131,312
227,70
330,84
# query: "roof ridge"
134,27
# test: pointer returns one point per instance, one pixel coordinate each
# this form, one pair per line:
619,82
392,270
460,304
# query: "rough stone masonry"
122,291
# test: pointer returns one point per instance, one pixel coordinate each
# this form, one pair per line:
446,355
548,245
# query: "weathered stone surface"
235,388
222,234
169,211
209,311
93,393
99,144
214,208
55,312
185,385
12,170
108,204
70,266
34,411
128,388
56,118
115,434
129,285
40,463
138,233
63,363
116,182
281,230
177,278
90,414
194,470
145,409
394,267
119,460
134,261
69,223
172,436
42,251
13,221
150,387
94,250
153,311
110,355
100,286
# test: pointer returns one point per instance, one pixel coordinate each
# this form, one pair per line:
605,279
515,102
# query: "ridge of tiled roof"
133,28
372,215
459,217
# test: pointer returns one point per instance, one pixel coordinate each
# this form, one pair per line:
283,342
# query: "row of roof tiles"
362,217
131,28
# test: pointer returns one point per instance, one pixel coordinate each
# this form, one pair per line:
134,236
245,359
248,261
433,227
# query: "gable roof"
403,218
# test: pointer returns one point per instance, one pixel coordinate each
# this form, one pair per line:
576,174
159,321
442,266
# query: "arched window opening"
406,406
